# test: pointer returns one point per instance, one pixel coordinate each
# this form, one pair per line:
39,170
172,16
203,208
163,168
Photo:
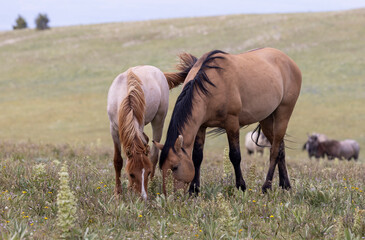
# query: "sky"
81,12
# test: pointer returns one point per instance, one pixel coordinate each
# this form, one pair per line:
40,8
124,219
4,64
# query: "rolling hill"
54,83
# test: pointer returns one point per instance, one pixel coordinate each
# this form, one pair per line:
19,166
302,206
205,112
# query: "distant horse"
137,97
308,145
346,149
250,142
229,91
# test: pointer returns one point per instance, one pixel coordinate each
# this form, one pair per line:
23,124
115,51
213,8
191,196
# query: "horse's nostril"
174,168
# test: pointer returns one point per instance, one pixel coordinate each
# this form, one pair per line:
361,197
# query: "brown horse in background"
137,97
230,91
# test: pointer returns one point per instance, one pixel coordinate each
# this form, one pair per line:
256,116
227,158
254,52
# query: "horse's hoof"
118,191
285,186
265,187
242,187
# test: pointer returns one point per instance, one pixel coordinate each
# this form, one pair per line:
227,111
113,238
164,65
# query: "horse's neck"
191,129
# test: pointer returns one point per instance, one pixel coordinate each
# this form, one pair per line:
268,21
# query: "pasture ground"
324,201
53,88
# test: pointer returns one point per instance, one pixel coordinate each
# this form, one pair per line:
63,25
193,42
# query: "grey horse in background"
346,149
309,144
252,147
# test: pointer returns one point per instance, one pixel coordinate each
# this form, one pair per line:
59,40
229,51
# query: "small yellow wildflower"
158,193
50,192
24,192
344,179
45,207
345,187
22,212
140,215
249,189
240,230
105,185
196,235
7,221
45,218
281,204
357,188
253,200
9,198
352,187
4,167
200,230
31,224
360,190
271,216
98,188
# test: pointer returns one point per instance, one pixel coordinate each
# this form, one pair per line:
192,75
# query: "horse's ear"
179,143
146,137
157,144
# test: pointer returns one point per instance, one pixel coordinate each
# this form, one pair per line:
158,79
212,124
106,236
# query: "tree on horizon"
42,22
20,23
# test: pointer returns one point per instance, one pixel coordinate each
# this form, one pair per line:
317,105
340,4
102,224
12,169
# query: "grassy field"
53,84
327,200
53,88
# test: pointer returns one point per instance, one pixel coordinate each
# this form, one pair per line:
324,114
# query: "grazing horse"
256,143
230,91
137,97
346,149
308,145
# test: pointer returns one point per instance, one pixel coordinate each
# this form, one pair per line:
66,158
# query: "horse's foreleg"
157,127
197,159
233,134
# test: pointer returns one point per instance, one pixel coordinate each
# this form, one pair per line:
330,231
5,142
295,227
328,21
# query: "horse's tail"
131,111
187,61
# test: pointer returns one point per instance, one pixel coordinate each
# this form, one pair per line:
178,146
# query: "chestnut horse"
137,97
230,91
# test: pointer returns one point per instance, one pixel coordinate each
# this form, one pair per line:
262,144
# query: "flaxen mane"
184,103
131,115
187,61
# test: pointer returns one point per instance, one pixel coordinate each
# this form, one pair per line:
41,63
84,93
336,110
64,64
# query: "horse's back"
156,90
154,86
257,82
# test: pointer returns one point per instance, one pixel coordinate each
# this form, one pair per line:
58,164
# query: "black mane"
184,103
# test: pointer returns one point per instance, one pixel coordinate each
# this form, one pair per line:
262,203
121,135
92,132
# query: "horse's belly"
253,115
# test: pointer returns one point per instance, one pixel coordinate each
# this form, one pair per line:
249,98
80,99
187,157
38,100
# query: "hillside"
53,84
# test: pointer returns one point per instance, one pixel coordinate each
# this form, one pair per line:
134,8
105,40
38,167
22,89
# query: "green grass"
53,84
322,204
53,88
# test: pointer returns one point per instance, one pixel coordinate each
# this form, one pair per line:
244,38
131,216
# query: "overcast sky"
76,12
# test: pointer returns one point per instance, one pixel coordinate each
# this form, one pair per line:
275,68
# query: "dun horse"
229,91
137,97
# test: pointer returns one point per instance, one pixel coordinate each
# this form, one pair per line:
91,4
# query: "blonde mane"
131,116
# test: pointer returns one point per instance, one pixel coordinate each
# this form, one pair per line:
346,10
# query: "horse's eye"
132,175
174,168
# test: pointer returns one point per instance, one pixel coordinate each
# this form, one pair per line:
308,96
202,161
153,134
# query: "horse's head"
138,169
180,163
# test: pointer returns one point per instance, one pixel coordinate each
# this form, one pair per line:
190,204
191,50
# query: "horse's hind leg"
118,162
197,160
233,134
274,129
